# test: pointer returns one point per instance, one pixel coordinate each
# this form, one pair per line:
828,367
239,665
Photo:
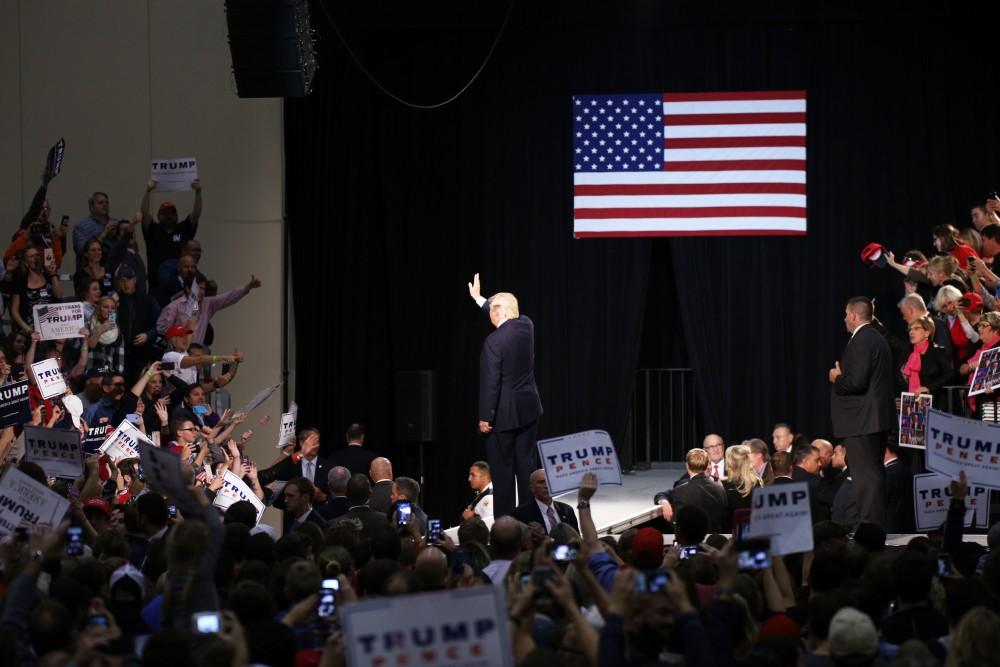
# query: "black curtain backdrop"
392,209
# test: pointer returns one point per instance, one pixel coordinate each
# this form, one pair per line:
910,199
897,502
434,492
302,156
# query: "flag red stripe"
692,212
735,165
733,142
691,232
689,189
735,118
743,95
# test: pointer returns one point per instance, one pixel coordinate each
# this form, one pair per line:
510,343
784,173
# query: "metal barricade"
662,421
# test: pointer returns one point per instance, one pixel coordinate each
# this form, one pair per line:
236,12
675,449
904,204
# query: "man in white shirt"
482,484
716,449
782,438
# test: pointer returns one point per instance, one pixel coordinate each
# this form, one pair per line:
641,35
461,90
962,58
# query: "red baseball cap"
647,549
971,301
873,254
99,503
166,206
177,330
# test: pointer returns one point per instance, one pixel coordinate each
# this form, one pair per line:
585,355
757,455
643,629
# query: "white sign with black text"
568,458
233,491
174,174
25,502
58,451
468,627
123,443
286,432
954,444
932,498
48,378
59,320
781,512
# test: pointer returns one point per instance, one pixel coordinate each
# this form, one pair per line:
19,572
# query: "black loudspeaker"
415,420
271,45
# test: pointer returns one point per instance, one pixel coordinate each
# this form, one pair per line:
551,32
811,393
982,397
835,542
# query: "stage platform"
615,509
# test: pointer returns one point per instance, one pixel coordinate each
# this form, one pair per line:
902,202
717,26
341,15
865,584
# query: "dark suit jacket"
285,470
333,507
508,397
379,500
528,512
820,503
707,495
861,400
845,504
355,458
314,517
899,498
364,517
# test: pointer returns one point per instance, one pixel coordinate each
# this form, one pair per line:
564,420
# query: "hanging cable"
371,77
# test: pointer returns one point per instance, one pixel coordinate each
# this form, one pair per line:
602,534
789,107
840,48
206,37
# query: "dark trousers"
511,453
864,461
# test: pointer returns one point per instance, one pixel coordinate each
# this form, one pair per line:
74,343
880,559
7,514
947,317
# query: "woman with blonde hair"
976,639
741,478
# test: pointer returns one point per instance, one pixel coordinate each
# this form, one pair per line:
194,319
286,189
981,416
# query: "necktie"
553,521
715,471
309,472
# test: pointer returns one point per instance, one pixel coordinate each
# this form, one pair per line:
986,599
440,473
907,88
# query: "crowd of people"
134,575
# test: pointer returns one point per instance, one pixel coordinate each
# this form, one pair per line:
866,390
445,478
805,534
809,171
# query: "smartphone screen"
74,541
206,622
433,530
167,365
564,553
687,552
328,598
403,513
753,559
944,565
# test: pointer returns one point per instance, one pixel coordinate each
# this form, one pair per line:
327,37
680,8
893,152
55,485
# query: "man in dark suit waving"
509,405
861,406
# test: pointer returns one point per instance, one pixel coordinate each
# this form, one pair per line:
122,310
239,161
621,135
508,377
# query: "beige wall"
125,81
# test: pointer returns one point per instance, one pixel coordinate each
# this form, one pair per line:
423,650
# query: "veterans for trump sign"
58,451
781,512
954,444
568,458
932,498
59,320
23,501
468,627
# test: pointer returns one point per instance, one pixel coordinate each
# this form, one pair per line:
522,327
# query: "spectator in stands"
761,458
91,392
298,494
136,318
782,437
939,271
991,242
914,618
989,334
946,240
701,491
146,390
95,267
196,311
166,236
354,456
928,368
168,267
381,493
89,293
482,484
360,515
337,502
742,479
97,225
541,510
125,253
107,346
104,411
180,284
962,334
185,366
33,285
980,217
781,465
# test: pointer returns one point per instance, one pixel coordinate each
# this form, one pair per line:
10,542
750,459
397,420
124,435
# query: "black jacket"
508,397
355,458
862,398
528,512
285,470
707,495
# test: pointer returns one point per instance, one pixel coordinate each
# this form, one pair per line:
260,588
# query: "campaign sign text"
57,450
174,174
286,432
54,160
49,378
932,497
468,627
15,408
123,443
95,437
234,490
955,444
781,512
23,501
568,458
58,320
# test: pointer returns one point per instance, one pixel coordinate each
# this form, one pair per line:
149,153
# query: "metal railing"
662,418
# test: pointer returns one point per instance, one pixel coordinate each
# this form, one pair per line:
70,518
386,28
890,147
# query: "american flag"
690,164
